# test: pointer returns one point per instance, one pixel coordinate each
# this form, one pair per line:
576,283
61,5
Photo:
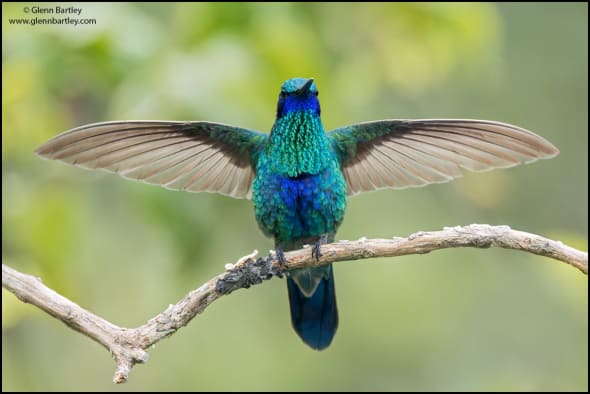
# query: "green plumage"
299,196
299,190
298,145
299,176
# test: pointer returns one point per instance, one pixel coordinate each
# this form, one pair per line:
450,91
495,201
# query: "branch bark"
128,345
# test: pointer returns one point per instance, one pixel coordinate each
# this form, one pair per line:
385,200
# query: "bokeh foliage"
453,320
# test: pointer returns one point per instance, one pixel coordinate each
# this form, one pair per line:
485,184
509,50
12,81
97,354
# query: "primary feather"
404,153
191,156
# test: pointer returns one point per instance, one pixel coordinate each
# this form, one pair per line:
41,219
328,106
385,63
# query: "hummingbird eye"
316,93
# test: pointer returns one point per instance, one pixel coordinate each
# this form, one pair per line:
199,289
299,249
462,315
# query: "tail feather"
315,318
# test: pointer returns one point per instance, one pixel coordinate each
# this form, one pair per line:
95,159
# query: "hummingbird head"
298,95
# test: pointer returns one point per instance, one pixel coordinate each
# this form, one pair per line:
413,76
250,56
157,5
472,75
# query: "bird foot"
280,256
316,250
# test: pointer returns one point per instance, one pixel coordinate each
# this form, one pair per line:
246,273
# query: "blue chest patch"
298,193
289,208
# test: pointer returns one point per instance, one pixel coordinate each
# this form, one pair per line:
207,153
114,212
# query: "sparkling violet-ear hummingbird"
298,176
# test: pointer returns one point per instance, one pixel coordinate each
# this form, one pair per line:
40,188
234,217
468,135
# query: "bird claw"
316,250
279,269
280,256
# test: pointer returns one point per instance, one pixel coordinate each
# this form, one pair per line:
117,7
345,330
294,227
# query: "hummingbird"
299,176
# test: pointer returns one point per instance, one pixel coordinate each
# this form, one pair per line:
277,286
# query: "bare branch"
128,346
474,235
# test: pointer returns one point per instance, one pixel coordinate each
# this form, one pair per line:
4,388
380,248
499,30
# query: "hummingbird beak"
305,88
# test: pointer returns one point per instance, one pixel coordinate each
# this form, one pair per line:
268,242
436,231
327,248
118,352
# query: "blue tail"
313,305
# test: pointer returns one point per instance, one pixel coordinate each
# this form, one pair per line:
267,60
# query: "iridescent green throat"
298,144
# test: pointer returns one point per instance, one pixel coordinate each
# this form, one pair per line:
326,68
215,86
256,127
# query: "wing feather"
406,153
192,156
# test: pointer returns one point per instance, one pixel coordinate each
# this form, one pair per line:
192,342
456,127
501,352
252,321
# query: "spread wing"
405,153
191,156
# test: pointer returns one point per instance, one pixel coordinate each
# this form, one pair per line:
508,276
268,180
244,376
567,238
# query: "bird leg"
316,249
280,255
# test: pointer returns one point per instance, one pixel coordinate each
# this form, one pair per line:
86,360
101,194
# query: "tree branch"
128,345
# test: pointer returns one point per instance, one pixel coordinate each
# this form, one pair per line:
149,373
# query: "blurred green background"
460,319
